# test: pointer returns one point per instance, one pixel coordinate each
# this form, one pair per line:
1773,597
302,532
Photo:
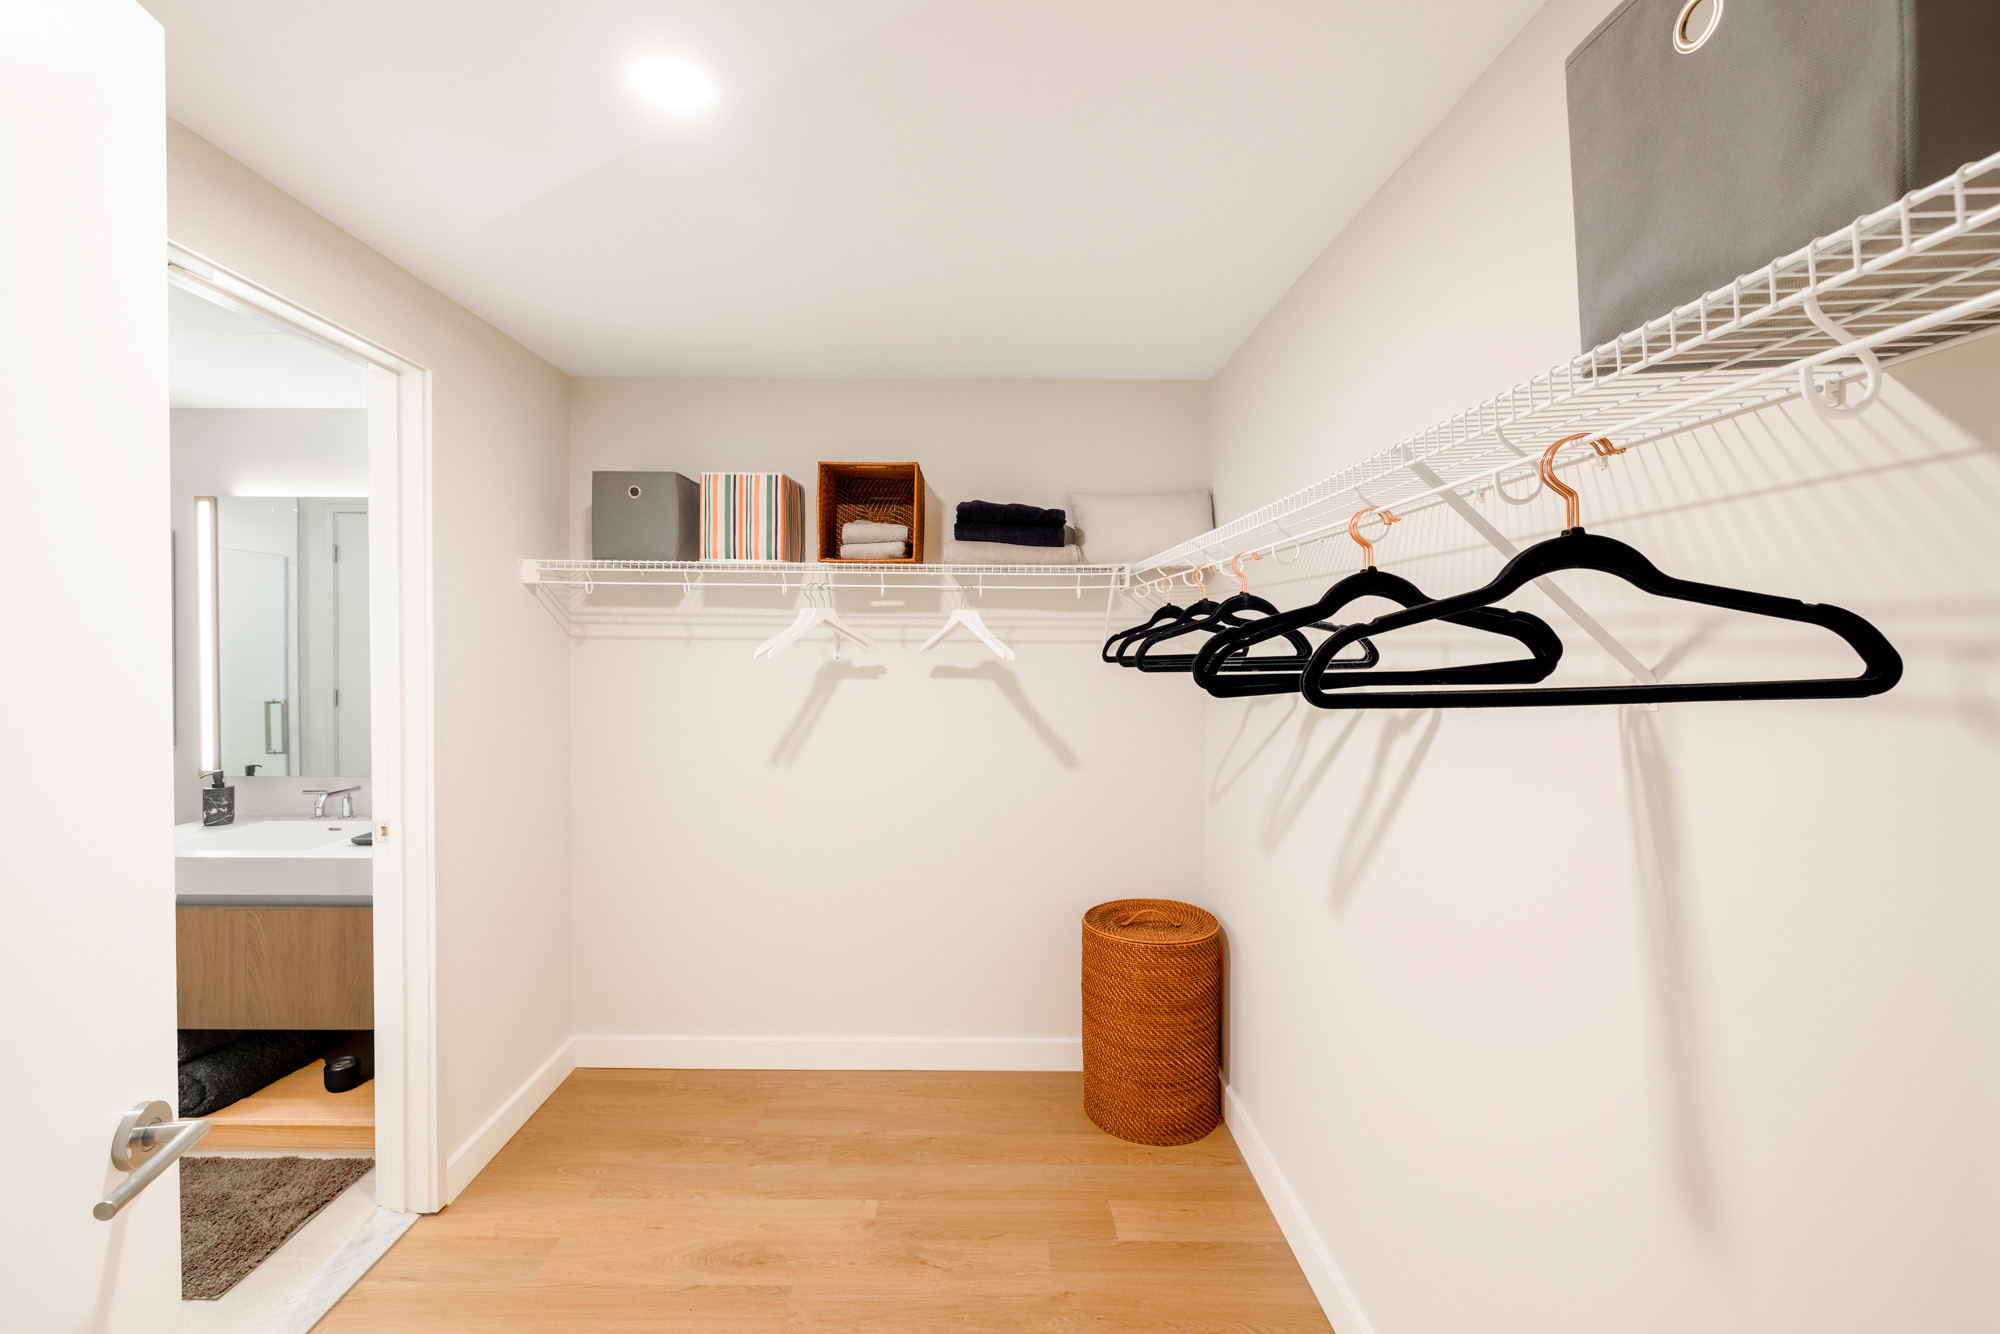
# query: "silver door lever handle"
147,1140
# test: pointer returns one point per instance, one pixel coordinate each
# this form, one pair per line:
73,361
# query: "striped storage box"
752,516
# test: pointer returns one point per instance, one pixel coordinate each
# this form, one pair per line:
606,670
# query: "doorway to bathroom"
302,798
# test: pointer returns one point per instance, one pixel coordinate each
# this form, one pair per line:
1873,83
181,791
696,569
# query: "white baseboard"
692,1053
1343,1312
471,1157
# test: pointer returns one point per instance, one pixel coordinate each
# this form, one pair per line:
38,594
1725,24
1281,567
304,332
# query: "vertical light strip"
207,643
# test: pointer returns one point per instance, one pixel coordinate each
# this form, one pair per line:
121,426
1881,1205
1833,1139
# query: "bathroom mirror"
284,594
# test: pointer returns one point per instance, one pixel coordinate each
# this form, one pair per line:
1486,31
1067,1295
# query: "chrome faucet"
320,794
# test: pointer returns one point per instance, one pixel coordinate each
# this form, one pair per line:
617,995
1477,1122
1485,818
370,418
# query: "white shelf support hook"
1822,398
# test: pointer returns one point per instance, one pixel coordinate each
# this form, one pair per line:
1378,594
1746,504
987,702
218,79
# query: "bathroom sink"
270,838
273,861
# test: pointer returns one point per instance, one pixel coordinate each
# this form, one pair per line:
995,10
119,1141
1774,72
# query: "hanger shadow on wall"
1008,682
826,681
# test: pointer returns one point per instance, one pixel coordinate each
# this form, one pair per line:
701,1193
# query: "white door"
350,638
87,956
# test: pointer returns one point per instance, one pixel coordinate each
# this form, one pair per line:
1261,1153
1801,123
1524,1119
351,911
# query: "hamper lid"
1151,921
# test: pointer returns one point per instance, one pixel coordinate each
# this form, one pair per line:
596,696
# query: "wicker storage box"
871,493
1152,1020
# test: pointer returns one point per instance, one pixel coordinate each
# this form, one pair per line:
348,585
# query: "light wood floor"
758,1200
296,1113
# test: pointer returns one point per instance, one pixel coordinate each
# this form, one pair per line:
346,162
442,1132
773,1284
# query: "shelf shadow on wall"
1009,685
1649,790
826,680
1382,797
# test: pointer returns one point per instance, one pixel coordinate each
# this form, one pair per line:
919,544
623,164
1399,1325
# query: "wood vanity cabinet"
276,967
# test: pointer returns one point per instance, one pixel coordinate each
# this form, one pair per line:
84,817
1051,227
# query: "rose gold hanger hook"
1354,531
1573,507
1236,566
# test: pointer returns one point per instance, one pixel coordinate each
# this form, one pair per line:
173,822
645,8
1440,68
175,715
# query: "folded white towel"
863,531
1006,553
873,550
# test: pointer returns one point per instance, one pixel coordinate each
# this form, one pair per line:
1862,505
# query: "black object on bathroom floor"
225,1074
350,1060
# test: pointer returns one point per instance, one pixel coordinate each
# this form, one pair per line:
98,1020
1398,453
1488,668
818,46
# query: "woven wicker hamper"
1152,1020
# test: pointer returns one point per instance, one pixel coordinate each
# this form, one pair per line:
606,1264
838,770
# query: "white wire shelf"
1915,276
587,575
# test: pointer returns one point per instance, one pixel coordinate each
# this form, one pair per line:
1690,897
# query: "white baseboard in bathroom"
471,1157
1336,1298
341,1271
835,1053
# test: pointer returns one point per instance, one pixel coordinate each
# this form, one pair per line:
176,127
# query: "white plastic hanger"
815,614
972,621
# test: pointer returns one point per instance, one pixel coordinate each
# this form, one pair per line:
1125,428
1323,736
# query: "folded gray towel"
863,531
873,550
1006,553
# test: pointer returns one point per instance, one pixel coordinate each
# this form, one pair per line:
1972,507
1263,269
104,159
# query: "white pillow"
1120,529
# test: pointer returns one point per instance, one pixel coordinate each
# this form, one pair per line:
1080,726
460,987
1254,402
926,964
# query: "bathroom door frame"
408,1166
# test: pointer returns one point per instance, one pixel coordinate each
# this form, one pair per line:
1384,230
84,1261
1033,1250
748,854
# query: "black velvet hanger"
1242,664
1226,615
1110,654
1215,616
1225,669
1199,610
1575,549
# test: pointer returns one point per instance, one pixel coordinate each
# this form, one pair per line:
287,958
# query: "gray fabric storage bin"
644,516
1790,120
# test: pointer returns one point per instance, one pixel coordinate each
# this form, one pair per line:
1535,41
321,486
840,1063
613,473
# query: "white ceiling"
884,188
218,357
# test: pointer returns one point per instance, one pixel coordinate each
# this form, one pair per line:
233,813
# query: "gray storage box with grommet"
644,516
1708,136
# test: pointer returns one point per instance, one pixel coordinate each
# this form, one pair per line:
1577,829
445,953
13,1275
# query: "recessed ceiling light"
673,84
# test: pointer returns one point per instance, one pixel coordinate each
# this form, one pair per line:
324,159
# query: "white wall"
1567,1020
497,414
249,452
270,452
890,846
87,960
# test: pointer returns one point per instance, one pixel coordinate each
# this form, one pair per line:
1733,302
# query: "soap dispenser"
218,800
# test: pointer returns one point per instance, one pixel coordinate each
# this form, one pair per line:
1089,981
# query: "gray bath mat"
236,1211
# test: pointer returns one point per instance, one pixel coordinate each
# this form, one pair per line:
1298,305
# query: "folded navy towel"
1018,535
988,514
